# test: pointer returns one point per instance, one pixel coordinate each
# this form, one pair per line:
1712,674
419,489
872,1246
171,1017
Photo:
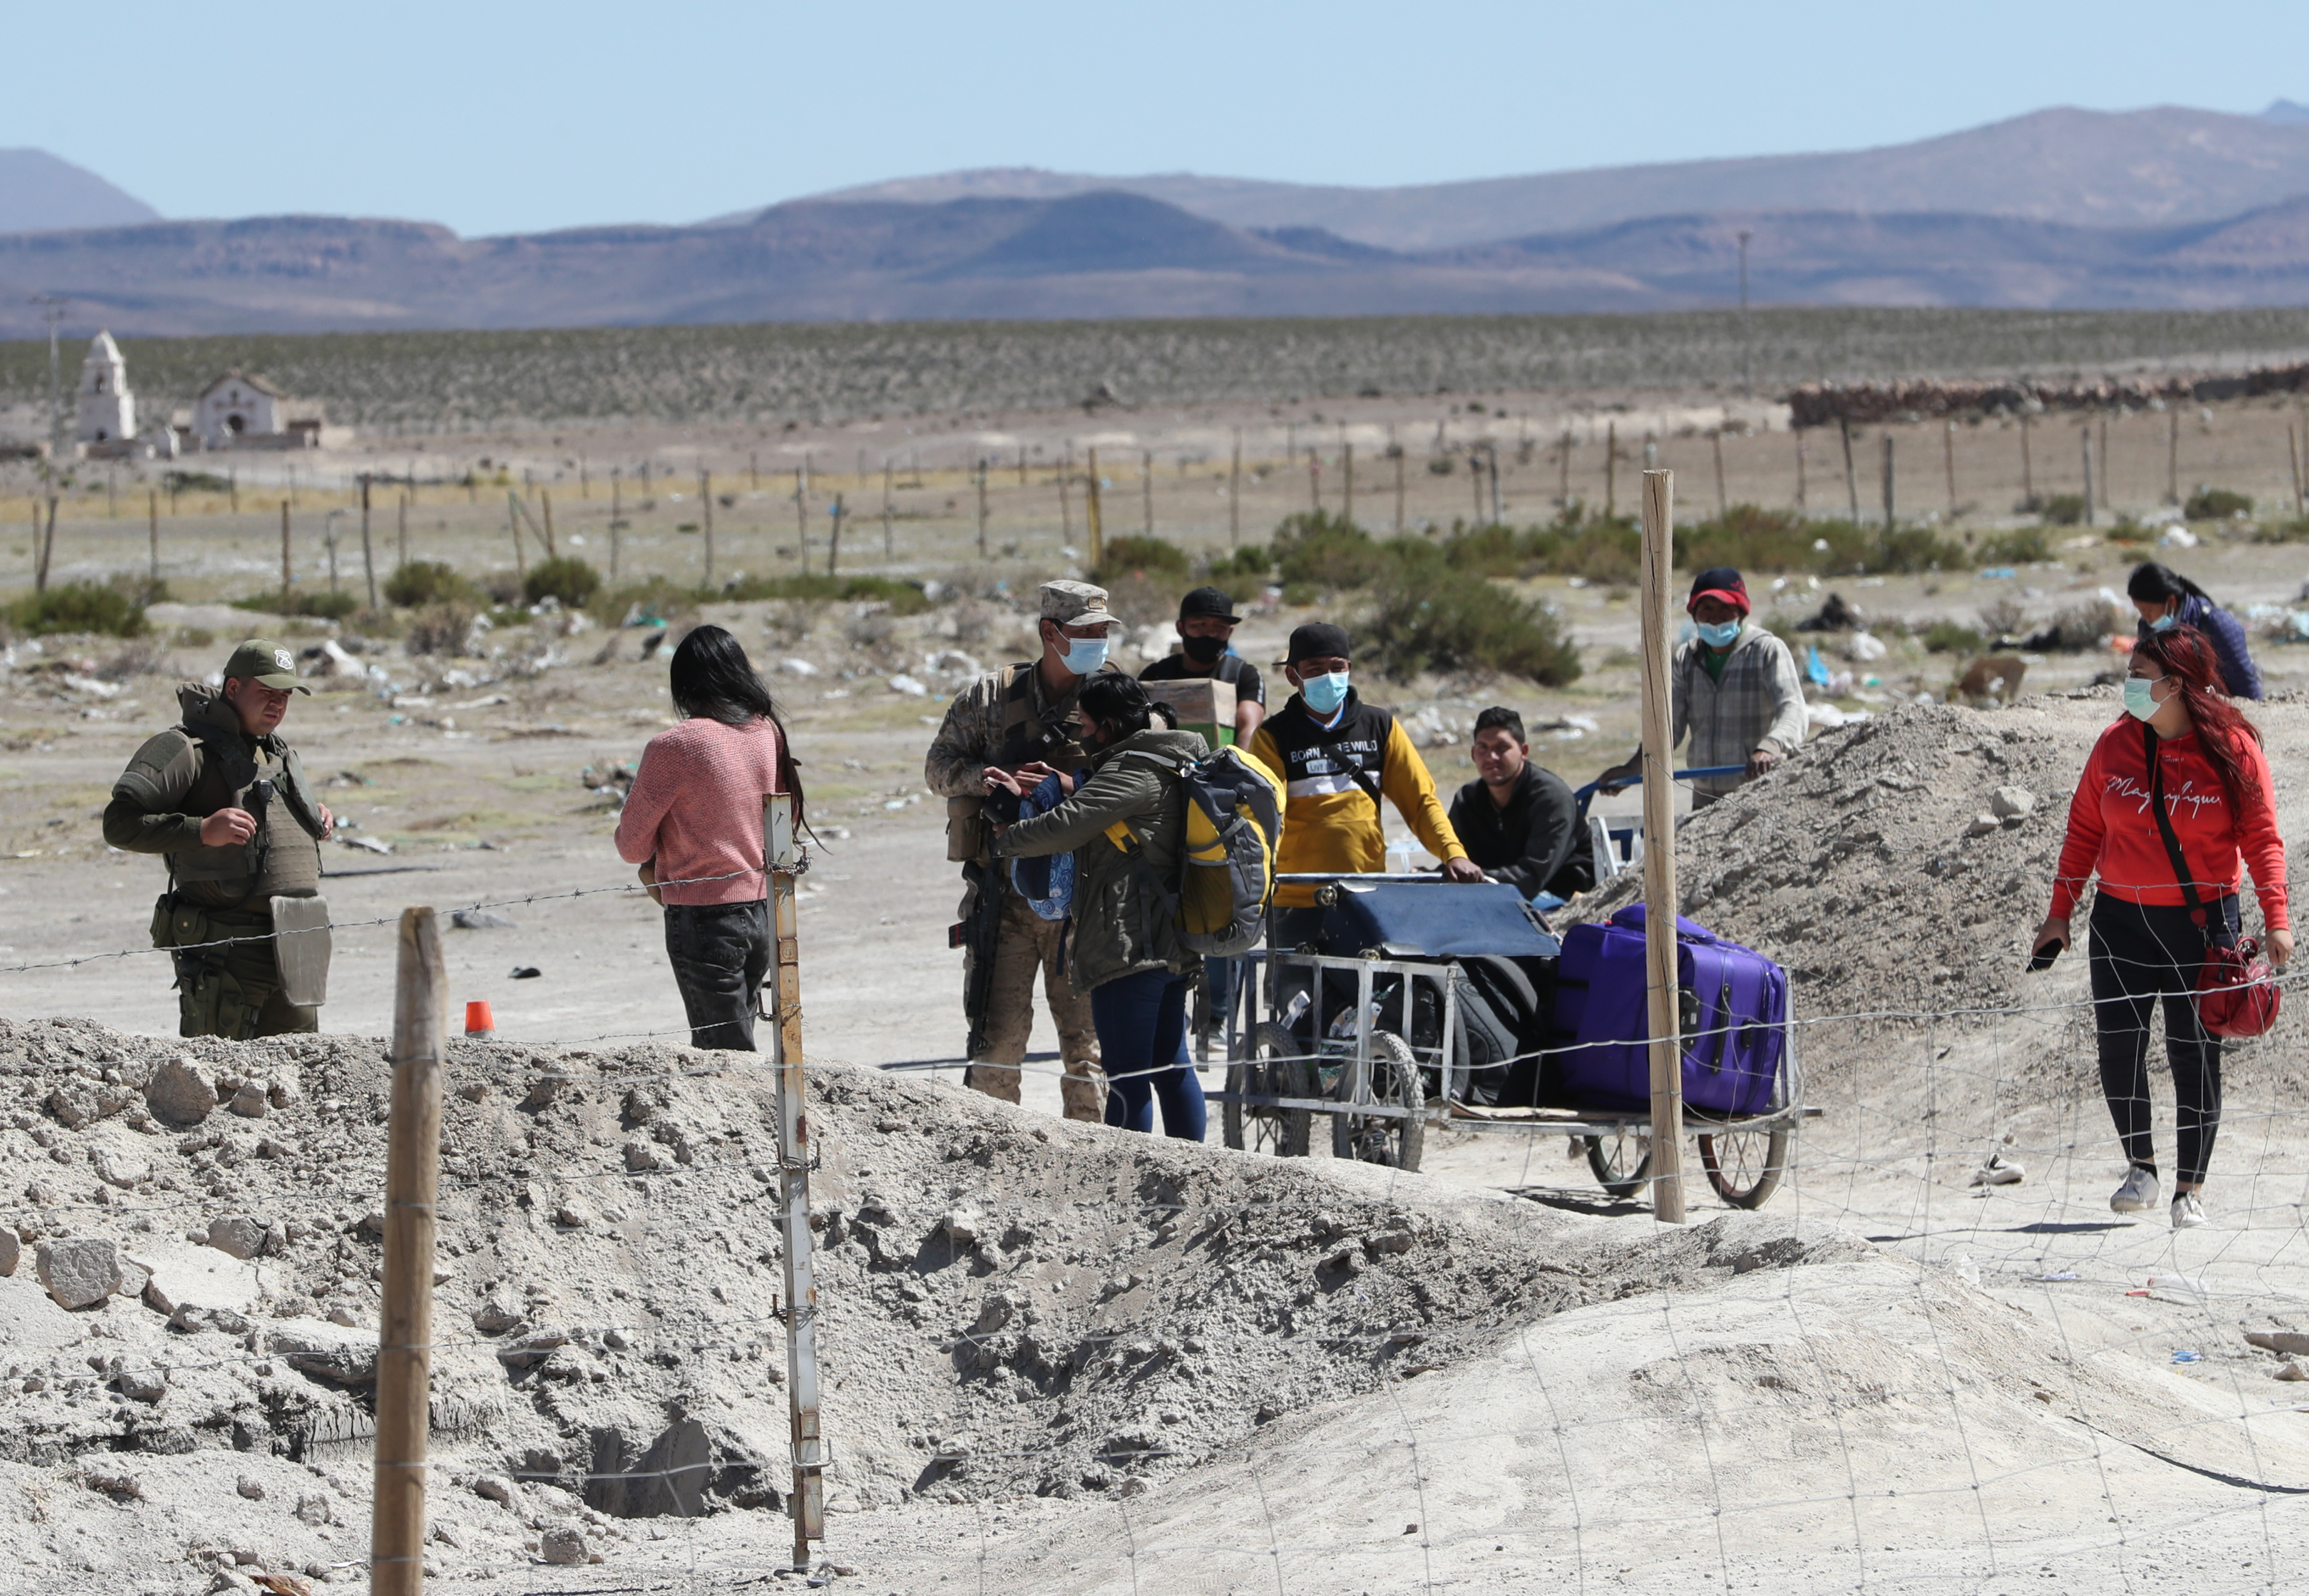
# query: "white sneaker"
2188,1212
2138,1195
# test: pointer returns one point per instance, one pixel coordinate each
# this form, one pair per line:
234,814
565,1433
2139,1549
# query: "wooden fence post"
412,1179
513,525
706,504
369,550
1889,515
1851,480
1563,491
2292,447
1723,504
2027,466
1234,493
799,1310
152,521
1948,458
982,507
2085,434
834,545
2173,460
1146,486
545,507
888,552
288,572
1799,469
1659,850
1096,540
1348,483
1610,469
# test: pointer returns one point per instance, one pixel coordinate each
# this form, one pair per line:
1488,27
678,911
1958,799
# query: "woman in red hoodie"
694,816
2213,781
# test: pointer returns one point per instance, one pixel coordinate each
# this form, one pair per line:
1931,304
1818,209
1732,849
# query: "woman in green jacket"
1124,946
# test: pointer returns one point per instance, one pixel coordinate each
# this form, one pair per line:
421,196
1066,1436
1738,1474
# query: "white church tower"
107,410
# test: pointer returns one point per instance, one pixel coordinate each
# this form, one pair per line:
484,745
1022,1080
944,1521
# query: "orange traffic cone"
478,1021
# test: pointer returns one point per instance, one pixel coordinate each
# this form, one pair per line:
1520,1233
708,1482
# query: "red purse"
2237,992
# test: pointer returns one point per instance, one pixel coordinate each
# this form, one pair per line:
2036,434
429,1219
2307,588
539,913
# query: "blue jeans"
1142,1026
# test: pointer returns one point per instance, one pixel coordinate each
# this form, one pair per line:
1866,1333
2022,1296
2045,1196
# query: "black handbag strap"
2172,843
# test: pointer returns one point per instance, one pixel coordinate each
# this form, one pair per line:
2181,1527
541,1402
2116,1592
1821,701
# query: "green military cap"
268,665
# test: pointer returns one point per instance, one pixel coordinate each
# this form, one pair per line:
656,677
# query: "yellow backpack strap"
1121,835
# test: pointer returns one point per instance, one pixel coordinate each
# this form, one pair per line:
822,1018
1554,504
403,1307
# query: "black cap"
1319,639
1209,601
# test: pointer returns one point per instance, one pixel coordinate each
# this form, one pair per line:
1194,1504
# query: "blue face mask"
1085,655
1719,634
1325,694
2140,698
2163,623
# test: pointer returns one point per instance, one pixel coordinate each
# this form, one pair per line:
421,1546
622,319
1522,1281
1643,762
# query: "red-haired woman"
2211,779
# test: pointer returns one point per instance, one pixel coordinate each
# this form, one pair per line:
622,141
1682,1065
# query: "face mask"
1719,634
1325,694
1085,655
2163,623
2140,698
1203,651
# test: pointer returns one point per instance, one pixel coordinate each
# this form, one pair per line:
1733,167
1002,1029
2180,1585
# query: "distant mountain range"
2060,209
38,191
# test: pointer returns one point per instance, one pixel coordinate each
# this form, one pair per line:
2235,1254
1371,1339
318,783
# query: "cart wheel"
1273,1070
1744,1165
1623,1159
1395,1079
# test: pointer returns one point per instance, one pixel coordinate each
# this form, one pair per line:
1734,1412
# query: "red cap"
1721,582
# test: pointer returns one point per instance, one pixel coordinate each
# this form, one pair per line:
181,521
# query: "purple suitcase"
1735,1004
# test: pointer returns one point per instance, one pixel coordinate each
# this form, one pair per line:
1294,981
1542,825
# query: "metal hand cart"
1382,1090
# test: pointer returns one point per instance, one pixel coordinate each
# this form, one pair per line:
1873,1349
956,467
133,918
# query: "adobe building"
240,412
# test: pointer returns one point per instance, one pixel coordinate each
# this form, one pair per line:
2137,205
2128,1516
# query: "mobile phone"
2041,958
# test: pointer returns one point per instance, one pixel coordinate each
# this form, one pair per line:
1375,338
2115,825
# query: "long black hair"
1113,698
713,678
2153,583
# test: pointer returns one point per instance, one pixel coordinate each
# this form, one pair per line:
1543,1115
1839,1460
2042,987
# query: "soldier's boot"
1083,1089
994,1079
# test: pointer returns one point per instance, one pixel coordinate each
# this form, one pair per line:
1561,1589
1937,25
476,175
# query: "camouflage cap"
268,665
1075,604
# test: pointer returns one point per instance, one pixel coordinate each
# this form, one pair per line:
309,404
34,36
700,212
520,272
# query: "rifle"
979,931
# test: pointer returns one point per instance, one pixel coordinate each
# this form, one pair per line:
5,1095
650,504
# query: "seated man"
1736,692
1518,822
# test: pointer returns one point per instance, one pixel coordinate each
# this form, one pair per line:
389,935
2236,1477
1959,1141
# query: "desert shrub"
441,627
195,481
1322,550
2071,631
904,598
1145,555
2283,532
2217,504
564,578
1601,549
2129,531
79,607
2003,617
2064,509
1428,616
1249,563
425,582
2015,548
320,603
1952,636
1759,540
1491,550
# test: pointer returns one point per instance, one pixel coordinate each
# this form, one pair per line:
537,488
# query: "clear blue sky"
500,116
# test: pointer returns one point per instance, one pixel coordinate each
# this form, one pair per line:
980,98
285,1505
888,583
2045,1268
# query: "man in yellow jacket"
1336,756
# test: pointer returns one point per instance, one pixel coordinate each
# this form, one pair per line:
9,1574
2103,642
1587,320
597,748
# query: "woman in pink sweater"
694,816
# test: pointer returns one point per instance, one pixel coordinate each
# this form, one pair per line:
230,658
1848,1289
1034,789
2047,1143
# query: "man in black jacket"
1519,822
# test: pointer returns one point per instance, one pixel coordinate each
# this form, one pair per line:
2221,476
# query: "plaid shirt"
1760,703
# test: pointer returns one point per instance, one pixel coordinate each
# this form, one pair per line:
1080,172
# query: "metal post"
413,1178
800,1313
1659,851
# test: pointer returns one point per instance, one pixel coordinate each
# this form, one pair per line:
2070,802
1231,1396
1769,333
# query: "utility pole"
1747,343
52,311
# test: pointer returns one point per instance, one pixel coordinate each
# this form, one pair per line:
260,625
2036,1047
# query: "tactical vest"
1048,738
282,859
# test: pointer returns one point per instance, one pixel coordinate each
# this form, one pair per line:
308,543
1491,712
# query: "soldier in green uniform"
224,801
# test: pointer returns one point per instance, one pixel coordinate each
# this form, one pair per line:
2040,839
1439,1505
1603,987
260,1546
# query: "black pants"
721,954
2138,952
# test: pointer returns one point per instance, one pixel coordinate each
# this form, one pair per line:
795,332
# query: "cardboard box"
1203,704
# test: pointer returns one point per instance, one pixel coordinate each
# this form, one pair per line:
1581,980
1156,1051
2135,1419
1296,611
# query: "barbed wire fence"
2073,1387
